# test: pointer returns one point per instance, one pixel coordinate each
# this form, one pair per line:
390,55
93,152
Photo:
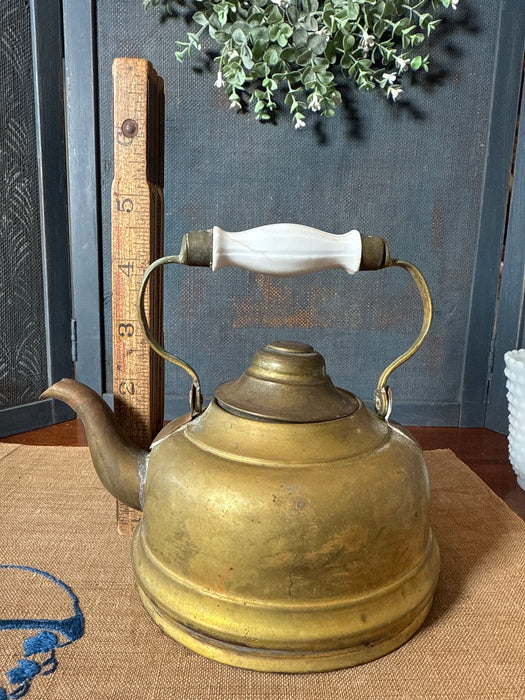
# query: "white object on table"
515,373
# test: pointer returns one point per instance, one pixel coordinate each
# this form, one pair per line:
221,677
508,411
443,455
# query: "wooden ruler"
137,239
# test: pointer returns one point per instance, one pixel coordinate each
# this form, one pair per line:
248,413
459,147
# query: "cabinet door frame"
511,303
505,97
47,56
83,182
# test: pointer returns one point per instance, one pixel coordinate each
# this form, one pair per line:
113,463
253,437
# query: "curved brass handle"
195,392
383,393
220,248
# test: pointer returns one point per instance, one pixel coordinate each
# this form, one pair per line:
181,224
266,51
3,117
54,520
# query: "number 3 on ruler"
126,330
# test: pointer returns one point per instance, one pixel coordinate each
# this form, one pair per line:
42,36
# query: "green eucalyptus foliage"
300,45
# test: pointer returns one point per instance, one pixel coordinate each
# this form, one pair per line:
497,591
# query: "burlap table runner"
57,517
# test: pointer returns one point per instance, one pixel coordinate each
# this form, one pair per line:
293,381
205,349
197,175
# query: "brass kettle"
286,526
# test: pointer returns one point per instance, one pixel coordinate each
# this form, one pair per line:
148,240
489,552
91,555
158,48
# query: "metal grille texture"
23,365
411,172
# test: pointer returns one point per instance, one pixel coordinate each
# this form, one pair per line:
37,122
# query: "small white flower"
395,92
454,4
367,40
324,32
236,105
283,4
299,124
313,103
390,78
219,82
403,63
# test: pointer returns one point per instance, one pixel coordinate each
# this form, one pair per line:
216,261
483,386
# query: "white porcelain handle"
286,249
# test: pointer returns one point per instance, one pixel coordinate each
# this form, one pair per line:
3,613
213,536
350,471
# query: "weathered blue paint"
32,416
50,126
511,309
81,94
504,108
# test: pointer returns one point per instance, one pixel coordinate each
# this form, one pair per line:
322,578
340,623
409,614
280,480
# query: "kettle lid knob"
286,382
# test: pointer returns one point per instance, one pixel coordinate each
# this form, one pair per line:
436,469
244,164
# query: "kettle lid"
286,382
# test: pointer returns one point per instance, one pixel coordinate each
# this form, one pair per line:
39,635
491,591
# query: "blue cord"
45,642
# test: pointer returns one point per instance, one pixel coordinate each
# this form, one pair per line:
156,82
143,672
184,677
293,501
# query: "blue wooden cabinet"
430,174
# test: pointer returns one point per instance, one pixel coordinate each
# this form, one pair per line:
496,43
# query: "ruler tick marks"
137,239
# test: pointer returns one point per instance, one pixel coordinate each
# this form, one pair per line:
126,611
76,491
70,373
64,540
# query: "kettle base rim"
285,661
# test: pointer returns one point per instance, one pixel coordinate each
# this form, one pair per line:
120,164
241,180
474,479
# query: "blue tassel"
25,671
40,643
44,642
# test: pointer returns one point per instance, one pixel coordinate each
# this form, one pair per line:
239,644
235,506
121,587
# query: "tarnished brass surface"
286,381
118,461
374,253
383,394
195,391
287,547
271,545
197,248
286,527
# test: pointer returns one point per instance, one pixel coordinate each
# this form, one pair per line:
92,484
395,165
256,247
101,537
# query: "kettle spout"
120,464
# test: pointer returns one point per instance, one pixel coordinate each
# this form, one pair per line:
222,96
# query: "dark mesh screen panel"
23,370
412,172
